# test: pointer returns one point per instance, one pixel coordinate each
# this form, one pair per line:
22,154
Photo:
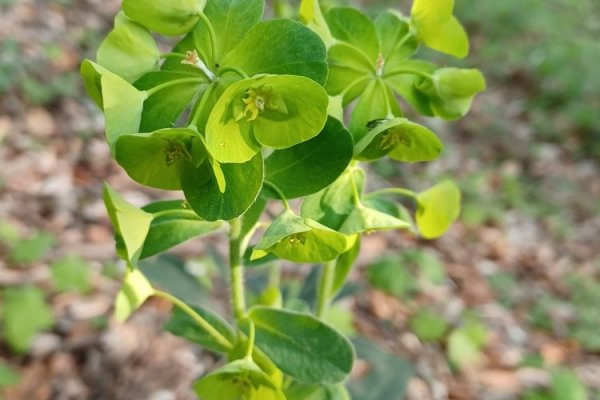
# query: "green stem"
238,71
354,83
398,191
211,34
173,83
201,105
251,336
282,197
204,324
238,300
404,39
325,288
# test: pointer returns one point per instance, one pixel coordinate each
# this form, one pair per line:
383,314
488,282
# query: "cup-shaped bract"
277,111
299,239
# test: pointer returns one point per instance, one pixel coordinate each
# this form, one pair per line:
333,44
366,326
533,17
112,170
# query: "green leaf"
173,223
163,108
158,159
303,391
408,79
25,313
438,29
135,291
401,140
312,16
349,72
32,249
123,106
387,376
232,19
181,324
240,379
299,239
296,51
244,182
8,376
451,91
71,273
396,39
130,223
372,105
302,346
332,205
129,50
428,325
350,26
170,18
367,220
278,111
311,166
92,74
437,208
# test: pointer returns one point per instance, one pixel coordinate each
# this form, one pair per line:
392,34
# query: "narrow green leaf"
244,182
181,324
129,50
135,291
311,166
25,313
173,223
302,346
297,51
130,223
397,41
350,26
344,264
172,18
372,105
164,107
438,208
232,19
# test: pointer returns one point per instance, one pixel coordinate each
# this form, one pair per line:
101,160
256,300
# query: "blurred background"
504,306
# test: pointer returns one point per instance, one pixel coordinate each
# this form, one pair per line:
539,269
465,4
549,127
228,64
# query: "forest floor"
524,261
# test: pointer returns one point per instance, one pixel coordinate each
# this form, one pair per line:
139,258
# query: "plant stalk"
238,301
325,288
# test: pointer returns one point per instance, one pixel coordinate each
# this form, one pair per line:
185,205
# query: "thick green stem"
197,112
325,288
235,70
238,301
204,324
276,189
212,35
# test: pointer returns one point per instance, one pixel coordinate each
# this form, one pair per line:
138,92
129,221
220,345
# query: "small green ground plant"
243,114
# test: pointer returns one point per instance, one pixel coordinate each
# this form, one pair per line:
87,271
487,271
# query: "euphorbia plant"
243,112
